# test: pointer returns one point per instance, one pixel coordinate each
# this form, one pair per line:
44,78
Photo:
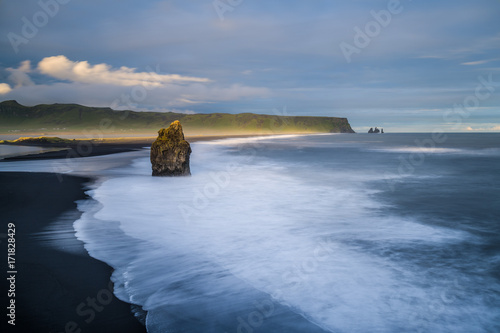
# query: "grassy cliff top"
37,140
59,118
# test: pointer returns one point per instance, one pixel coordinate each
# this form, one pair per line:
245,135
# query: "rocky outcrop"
170,152
376,130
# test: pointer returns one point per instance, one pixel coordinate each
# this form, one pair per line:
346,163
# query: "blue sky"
402,65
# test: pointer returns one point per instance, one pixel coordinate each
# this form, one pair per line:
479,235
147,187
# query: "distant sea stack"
170,152
376,130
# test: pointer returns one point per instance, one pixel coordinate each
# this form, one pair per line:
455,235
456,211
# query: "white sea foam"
409,150
207,248
236,141
436,150
313,242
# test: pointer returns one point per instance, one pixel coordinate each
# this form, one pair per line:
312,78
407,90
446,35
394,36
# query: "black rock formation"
376,130
170,152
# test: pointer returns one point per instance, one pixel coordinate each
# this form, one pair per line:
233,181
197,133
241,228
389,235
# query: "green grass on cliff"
37,140
15,117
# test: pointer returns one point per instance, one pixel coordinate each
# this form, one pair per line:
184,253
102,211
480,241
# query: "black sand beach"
88,148
59,291
55,291
83,150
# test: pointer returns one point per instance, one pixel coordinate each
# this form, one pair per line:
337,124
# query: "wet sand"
56,290
88,148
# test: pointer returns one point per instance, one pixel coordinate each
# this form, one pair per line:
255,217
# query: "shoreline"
54,286
57,289
107,146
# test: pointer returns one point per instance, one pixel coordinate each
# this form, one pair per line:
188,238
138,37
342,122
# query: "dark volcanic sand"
88,149
52,284
84,150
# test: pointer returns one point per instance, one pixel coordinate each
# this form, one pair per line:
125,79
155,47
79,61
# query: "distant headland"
59,119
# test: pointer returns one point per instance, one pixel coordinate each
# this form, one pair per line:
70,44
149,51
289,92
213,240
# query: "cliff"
59,118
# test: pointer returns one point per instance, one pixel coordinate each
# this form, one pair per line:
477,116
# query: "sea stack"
170,152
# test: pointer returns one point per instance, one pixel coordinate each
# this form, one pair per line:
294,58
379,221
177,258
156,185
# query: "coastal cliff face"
343,126
170,152
62,118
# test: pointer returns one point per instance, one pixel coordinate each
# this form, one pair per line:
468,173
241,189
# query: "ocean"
316,233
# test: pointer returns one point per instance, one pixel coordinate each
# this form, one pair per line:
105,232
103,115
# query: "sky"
406,66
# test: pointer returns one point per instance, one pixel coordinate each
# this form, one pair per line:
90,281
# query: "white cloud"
19,76
62,68
25,66
101,85
494,128
474,63
4,88
479,62
160,109
171,96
